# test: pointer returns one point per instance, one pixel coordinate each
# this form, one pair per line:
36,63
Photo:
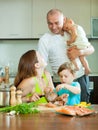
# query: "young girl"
32,78
66,73
76,40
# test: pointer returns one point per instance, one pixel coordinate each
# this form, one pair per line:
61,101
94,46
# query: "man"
53,47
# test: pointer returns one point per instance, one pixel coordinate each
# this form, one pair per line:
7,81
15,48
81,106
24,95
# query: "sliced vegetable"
84,104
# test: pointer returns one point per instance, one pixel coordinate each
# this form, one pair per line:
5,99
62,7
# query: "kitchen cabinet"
94,92
15,19
27,18
78,10
39,12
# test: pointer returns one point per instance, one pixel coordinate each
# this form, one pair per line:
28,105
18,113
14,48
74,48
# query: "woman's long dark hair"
26,66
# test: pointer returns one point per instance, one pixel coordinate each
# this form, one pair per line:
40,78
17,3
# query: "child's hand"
58,87
48,90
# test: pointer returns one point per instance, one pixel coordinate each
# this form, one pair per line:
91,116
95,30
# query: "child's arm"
70,27
75,90
73,35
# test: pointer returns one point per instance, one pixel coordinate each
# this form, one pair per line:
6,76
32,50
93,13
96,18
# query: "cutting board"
45,108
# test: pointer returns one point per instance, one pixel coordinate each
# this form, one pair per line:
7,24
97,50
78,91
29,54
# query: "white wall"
93,59
11,50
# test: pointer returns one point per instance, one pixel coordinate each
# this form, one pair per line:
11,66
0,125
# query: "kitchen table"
48,120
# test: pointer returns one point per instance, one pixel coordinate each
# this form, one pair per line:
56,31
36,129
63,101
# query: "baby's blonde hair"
67,65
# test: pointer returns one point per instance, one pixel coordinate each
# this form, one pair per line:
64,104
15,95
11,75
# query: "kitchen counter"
93,74
48,121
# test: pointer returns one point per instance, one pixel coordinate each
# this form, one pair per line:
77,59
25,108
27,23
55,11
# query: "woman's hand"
48,90
34,97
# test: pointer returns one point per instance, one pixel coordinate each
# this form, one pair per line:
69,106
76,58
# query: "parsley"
24,108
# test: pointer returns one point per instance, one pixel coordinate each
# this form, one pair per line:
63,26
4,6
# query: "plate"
64,114
76,115
75,111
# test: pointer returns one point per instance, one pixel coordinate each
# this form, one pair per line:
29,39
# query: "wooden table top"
48,121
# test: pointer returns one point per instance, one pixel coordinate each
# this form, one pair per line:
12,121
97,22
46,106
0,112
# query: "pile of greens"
24,108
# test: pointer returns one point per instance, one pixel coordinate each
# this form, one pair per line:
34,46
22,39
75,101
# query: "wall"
11,50
92,59
20,18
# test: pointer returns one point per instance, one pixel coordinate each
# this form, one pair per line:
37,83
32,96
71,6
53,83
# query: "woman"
32,78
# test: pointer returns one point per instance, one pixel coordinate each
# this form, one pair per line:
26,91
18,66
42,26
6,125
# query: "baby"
76,40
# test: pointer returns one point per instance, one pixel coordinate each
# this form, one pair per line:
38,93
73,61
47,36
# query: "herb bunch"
24,108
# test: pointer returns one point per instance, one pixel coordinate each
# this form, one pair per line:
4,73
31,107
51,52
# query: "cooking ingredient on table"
51,96
84,104
24,108
75,111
